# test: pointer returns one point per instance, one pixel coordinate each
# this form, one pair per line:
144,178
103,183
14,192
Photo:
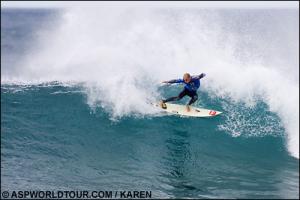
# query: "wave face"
171,156
86,76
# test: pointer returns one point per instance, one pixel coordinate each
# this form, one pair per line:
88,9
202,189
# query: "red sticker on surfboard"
212,112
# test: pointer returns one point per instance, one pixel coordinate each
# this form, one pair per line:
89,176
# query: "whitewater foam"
120,55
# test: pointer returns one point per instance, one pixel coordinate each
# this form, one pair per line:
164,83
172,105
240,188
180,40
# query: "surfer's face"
187,79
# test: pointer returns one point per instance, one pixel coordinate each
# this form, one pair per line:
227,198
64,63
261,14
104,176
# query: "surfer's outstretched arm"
173,81
200,76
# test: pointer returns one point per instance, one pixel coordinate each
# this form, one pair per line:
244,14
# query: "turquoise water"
49,132
98,133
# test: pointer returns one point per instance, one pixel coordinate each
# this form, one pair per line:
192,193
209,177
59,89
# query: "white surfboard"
194,111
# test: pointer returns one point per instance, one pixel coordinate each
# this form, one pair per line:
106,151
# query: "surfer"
192,83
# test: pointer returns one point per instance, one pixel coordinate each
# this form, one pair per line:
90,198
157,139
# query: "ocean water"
76,86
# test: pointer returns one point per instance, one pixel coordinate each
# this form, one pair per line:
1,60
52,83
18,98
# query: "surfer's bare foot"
162,105
188,109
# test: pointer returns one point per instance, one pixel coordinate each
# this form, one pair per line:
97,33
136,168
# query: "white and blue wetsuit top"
193,85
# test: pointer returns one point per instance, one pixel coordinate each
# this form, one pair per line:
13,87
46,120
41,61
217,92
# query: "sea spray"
122,54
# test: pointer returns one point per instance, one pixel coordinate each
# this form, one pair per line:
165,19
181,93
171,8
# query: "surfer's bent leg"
194,97
182,94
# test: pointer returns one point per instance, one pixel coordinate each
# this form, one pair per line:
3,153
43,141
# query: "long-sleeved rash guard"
193,85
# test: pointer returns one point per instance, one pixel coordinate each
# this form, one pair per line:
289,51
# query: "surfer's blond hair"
186,75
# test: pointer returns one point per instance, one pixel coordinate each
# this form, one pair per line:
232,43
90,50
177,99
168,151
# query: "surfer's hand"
164,82
201,75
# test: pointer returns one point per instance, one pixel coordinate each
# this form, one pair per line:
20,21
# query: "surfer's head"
187,78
